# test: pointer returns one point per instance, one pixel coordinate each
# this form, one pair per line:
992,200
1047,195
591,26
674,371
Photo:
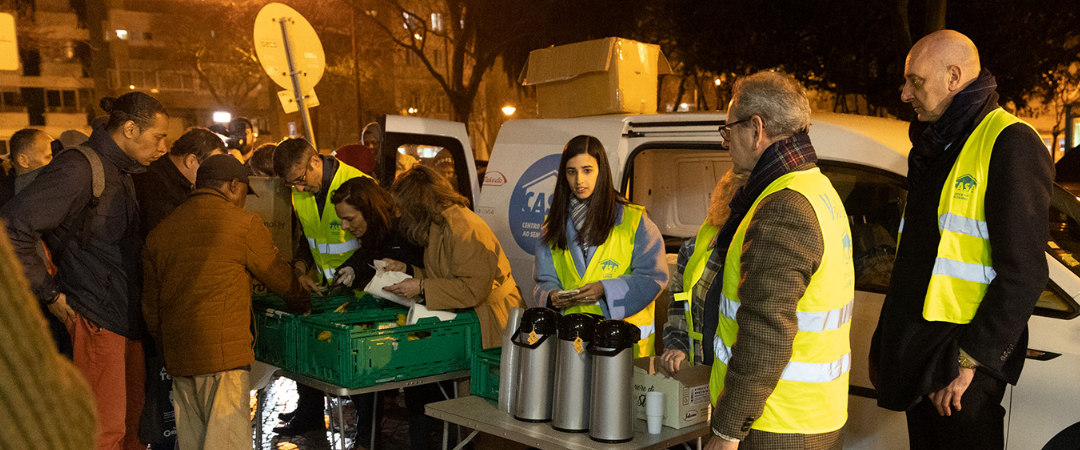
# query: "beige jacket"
466,268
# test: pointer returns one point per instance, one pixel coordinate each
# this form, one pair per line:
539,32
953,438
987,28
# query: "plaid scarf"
782,157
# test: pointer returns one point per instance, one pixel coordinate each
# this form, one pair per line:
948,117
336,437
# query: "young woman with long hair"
599,253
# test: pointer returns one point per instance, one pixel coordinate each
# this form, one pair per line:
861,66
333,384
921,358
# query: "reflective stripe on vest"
330,244
814,322
695,267
811,395
964,268
611,260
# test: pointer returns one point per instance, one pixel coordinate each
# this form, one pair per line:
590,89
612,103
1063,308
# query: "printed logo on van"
494,179
531,200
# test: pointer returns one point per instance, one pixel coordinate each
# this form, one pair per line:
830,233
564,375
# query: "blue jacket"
625,295
103,280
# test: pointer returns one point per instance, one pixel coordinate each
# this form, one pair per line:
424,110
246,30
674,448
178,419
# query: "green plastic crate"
275,330
485,373
350,349
274,343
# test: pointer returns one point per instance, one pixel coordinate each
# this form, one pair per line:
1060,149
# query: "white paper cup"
654,404
655,423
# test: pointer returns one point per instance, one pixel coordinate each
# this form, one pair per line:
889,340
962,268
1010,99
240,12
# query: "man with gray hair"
783,299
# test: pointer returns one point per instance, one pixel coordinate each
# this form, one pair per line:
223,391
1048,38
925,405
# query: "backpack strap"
98,186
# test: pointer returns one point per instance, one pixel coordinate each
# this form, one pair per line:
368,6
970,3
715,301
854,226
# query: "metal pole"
294,73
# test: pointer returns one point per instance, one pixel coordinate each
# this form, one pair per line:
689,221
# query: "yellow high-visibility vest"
330,244
691,274
811,396
964,269
611,260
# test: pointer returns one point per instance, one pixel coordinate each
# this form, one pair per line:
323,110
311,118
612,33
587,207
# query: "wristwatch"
421,301
966,362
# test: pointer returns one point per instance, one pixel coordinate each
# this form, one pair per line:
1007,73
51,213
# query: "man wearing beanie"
198,264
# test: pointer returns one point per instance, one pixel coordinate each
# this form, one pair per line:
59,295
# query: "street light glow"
509,110
413,110
222,117
717,81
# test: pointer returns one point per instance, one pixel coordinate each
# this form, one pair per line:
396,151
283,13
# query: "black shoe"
287,416
294,428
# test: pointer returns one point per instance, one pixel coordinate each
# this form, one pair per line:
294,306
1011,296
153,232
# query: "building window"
122,35
410,58
61,101
136,79
147,36
176,81
10,101
436,22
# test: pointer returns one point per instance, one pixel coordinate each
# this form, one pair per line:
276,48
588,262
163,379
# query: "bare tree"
208,38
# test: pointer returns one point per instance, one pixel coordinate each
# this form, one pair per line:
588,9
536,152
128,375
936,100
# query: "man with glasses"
325,246
782,299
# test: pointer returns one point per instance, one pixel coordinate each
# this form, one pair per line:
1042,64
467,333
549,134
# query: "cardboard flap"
567,61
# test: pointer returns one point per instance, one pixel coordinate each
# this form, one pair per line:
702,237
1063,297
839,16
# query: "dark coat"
197,298
102,279
160,190
914,356
394,246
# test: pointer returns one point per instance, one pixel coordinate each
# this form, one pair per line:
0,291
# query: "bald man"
970,264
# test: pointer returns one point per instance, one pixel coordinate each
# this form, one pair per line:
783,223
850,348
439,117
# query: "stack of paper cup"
654,411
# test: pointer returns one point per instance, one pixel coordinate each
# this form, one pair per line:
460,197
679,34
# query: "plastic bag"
383,279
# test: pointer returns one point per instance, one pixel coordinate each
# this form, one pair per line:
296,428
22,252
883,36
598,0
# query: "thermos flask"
535,338
508,365
573,373
612,411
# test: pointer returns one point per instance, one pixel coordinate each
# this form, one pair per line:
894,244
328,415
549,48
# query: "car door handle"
1040,355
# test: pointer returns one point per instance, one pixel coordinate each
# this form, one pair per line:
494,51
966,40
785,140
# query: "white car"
670,162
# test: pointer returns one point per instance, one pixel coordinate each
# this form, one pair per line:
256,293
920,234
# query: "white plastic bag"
383,279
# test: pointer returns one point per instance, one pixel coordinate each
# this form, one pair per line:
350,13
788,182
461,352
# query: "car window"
443,154
1063,246
874,200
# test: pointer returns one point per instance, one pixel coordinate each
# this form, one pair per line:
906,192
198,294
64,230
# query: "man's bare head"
938,67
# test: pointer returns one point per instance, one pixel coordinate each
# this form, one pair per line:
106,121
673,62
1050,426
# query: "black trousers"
979,424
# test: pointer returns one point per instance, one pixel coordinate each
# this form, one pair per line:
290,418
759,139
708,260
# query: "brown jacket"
782,249
466,268
198,264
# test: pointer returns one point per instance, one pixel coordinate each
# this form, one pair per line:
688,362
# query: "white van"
669,164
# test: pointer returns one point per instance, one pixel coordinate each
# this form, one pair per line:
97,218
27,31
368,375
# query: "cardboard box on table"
686,395
274,205
603,76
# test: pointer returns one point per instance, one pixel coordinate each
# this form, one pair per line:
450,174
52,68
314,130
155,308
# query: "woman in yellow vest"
683,332
600,253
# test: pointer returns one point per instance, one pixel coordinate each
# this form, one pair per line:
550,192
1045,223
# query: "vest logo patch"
609,266
335,225
964,187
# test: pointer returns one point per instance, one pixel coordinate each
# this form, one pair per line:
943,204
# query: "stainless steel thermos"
508,365
612,411
535,338
573,373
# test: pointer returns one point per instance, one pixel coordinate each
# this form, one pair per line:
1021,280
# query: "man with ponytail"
93,232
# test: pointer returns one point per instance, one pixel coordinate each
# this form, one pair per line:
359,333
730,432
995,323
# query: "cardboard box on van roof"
602,76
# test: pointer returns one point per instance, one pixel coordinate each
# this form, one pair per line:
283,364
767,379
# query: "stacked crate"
355,341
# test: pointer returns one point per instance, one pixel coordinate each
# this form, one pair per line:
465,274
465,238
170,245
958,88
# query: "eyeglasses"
725,131
302,181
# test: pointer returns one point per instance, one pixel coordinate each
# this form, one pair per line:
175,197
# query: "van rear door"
439,144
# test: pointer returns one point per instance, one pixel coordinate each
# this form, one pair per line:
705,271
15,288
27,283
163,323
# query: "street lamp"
222,117
509,110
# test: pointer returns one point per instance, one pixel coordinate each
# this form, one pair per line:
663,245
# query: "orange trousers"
113,366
